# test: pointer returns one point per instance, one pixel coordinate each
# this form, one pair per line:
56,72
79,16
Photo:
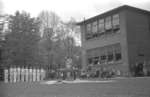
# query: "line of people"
17,74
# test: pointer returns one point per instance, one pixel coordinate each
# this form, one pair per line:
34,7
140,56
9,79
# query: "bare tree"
48,20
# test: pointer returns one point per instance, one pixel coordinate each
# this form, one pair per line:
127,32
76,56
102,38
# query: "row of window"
102,25
109,54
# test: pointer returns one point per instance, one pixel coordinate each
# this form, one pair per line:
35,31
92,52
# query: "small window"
108,23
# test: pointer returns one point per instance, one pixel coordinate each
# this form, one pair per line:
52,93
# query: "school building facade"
116,40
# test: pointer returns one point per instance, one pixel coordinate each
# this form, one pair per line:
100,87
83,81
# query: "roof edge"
115,9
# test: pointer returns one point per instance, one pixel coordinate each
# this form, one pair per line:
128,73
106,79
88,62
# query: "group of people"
17,74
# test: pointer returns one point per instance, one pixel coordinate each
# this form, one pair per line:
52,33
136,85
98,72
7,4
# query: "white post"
34,75
10,74
19,74
6,75
30,74
26,75
22,74
14,75
24,69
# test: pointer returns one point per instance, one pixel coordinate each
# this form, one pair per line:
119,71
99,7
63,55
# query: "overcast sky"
69,8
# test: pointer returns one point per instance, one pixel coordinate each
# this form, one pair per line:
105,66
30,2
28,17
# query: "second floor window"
94,27
108,23
115,21
88,28
101,26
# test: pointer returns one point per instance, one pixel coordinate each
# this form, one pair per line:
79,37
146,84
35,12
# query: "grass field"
125,87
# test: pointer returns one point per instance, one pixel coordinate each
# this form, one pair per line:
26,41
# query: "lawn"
125,87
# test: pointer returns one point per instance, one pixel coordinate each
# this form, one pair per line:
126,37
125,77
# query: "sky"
78,9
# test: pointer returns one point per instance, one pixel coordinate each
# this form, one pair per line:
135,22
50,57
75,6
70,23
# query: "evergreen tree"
21,46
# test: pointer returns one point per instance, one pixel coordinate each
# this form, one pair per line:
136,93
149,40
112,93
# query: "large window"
108,23
94,27
115,21
101,26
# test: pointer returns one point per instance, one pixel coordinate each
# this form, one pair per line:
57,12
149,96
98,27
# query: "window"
110,57
1,26
103,57
118,53
101,26
115,21
108,24
118,56
90,61
94,27
96,59
88,28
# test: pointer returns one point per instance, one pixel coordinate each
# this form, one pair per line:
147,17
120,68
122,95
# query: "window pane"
108,24
90,60
96,59
94,27
101,25
116,20
88,28
118,53
110,57
118,56
1,26
103,57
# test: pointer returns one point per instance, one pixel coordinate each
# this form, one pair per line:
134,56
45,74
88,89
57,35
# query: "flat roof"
114,11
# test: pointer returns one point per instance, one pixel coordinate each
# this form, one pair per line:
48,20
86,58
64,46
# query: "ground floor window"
110,57
118,56
105,54
96,60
